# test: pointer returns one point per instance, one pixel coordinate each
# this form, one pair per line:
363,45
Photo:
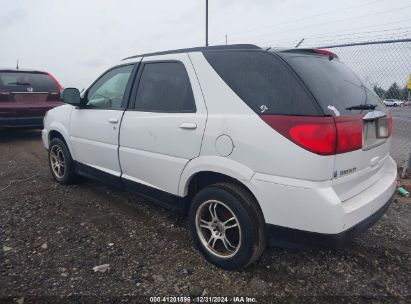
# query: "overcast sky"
77,40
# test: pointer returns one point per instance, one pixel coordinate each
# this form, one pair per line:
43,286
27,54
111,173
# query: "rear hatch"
27,94
356,109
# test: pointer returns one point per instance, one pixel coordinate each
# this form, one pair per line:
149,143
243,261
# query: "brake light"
389,124
320,135
55,81
315,134
53,96
5,95
326,53
349,133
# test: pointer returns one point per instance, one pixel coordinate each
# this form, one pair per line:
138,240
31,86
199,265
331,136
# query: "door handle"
113,120
188,125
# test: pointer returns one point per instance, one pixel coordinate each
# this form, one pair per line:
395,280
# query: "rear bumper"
293,206
294,238
21,122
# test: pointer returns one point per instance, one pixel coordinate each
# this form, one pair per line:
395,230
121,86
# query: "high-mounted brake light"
326,53
320,135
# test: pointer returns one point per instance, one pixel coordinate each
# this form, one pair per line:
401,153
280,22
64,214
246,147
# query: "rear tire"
60,162
227,226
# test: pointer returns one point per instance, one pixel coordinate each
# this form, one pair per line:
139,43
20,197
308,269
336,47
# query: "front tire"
60,162
227,226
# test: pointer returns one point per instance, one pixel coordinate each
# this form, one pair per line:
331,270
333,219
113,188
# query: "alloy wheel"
218,228
57,161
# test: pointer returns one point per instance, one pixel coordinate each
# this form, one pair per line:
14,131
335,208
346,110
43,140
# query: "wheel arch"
205,171
56,132
213,164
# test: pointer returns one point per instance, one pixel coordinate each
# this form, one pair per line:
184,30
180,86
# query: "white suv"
393,102
285,146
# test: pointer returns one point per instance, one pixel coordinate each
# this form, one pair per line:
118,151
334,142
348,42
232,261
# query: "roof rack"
200,49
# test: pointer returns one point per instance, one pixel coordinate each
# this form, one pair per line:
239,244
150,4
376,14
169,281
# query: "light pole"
206,44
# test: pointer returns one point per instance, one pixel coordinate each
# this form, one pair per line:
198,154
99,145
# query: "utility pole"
226,39
206,44
17,66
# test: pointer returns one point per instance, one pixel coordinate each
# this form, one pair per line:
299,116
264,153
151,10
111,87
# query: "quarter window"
108,91
165,87
262,81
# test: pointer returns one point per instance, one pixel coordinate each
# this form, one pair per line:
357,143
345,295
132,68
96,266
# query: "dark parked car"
25,97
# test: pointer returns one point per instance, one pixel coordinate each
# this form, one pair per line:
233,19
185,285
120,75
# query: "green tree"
405,93
379,91
394,92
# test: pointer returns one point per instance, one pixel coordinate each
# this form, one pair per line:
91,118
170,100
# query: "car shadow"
10,135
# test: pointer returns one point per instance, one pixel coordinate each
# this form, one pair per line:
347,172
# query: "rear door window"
332,83
27,82
263,82
165,87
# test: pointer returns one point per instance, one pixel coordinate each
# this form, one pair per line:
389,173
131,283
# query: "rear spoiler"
327,53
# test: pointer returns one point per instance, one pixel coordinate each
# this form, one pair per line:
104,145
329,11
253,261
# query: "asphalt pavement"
401,140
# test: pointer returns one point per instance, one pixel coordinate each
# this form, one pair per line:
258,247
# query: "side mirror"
72,96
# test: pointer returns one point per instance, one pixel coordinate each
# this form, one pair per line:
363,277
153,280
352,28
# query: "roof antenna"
17,66
299,43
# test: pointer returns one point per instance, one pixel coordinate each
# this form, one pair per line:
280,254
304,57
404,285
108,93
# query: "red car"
26,96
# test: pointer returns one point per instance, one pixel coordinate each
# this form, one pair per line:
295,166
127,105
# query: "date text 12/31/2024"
203,299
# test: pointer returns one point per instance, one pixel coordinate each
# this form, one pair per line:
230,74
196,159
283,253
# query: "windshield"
335,86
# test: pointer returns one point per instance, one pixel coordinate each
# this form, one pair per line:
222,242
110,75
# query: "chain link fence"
384,65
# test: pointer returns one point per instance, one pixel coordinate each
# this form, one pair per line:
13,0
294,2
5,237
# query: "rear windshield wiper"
20,83
362,107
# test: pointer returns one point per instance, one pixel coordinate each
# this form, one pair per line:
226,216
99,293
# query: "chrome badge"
263,108
348,171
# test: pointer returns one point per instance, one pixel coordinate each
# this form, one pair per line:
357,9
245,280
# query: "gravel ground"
52,236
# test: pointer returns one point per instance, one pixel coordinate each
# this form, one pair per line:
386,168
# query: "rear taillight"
53,96
55,81
5,95
315,134
349,133
320,135
389,125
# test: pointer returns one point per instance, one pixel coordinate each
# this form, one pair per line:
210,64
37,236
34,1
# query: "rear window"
263,82
26,82
332,83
